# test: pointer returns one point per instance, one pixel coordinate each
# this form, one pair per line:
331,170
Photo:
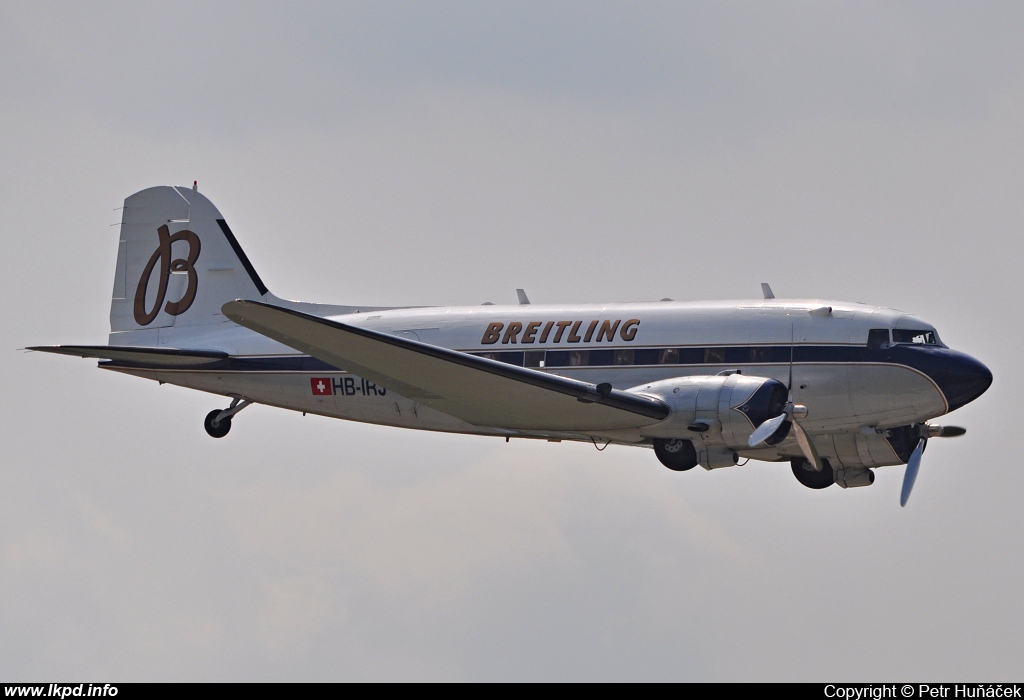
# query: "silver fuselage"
854,392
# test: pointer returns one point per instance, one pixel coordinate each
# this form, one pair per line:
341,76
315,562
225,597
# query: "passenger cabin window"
556,358
511,358
646,356
714,356
878,338
669,356
917,337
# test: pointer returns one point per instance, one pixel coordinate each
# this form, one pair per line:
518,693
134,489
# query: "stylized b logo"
167,266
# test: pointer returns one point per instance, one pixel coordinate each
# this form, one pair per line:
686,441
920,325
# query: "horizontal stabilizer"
479,391
162,357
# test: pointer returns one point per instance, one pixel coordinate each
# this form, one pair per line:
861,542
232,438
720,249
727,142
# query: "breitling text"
559,331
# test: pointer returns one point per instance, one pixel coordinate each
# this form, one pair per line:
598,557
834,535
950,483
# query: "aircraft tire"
220,429
677,454
811,479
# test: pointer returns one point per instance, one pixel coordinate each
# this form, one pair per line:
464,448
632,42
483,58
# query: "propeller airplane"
834,389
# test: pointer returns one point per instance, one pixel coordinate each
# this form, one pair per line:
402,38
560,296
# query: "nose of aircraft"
961,379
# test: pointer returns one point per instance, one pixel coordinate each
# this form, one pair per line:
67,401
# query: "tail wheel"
676,454
217,428
805,474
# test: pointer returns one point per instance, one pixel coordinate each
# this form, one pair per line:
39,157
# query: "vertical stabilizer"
177,264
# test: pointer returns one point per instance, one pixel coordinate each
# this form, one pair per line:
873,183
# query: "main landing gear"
805,474
218,422
676,454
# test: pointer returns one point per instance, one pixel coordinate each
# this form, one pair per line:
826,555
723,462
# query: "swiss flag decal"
321,386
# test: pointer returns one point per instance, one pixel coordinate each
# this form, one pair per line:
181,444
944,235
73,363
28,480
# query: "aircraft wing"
479,391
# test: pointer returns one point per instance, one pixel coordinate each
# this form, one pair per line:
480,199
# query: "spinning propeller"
925,431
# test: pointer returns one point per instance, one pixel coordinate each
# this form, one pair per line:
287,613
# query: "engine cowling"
850,477
718,413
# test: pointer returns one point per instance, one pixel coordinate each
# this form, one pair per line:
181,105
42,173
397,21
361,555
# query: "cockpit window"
918,337
878,338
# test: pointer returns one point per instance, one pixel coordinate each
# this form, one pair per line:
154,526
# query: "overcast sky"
447,153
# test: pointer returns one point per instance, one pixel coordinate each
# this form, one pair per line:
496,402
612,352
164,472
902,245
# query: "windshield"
922,337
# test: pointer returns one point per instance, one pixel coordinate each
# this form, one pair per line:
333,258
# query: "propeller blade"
807,447
765,430
952,431
910,476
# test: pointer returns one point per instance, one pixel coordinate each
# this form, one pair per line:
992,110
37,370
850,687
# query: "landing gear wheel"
676,454
805,474
218,429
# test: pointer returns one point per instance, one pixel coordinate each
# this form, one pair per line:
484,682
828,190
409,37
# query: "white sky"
445,153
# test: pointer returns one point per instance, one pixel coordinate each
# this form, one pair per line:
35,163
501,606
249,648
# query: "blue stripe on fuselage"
960,377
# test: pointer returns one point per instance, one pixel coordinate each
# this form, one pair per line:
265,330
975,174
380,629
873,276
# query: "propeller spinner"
793,412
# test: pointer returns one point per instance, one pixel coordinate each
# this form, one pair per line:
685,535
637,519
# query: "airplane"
834,389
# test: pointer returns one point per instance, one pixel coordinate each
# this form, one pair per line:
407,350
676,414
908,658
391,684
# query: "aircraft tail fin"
177,263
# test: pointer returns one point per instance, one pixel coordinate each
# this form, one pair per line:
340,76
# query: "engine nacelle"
850,477
717,413
716,459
